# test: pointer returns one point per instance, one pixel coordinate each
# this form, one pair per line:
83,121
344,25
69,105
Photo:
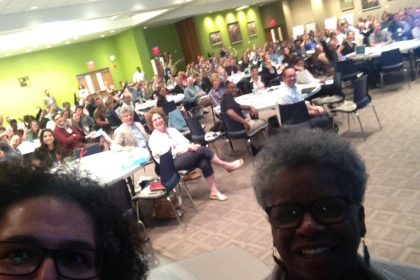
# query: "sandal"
219,196
236,165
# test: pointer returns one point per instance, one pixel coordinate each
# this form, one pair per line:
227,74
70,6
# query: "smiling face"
313,250
44,222
158,122
47,138
289,77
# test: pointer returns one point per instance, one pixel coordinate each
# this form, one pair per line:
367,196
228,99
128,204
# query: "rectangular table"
152,103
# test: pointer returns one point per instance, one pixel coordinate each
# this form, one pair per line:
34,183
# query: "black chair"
293,115
337,95
90,149
391,61
236,130
348,70
361,99
199,136
169,178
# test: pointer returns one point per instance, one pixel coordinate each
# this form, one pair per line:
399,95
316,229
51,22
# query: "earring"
366,255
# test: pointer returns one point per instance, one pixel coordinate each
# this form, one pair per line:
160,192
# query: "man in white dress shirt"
289,94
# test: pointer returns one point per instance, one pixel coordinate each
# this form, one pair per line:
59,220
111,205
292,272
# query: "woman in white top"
186,155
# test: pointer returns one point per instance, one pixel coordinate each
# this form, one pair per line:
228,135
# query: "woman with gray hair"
311,184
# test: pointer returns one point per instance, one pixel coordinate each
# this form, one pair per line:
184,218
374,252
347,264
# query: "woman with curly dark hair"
62,226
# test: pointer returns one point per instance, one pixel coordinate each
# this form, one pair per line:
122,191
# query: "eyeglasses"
20,259
324,211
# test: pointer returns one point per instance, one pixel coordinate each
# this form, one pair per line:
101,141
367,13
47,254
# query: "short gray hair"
305,147
125,109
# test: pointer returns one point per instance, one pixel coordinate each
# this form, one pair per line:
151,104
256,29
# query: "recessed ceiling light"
33,8
145,27
114,17
76,38
68,42
103,35
28,50
112,31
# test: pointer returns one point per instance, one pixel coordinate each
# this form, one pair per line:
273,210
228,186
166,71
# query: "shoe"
219,196
236,165
193,175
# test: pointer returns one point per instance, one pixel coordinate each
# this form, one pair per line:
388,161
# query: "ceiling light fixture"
33,8
103,35
242,8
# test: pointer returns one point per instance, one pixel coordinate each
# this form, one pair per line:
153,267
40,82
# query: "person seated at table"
416,30
66,136
217,90
233,110
50,153
269,74
303,76
192,95
7,153
33,132
379,37
99,115
179,84
129,134
64,226
256,79
186,155
311,184
288,93
347,46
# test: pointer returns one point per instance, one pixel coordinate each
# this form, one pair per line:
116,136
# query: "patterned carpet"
392,202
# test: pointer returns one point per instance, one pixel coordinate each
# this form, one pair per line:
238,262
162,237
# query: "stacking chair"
361,99
391,61
236,130
336,97
348,70
199,136
169,178
293,115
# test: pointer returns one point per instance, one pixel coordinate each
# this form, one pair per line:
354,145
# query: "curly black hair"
118,243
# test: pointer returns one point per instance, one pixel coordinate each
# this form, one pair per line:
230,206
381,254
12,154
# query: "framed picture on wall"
215,38
252,29
346,5
370,4
24,81
234,32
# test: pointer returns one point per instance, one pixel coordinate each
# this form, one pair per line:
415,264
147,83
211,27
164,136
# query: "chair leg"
376,115
231,145
139,215
215,148
406,78
348,121
184,185
360,123
173,209
382,79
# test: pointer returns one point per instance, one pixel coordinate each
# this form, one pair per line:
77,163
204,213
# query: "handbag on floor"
163,209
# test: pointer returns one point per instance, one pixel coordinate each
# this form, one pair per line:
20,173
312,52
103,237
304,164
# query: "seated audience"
379,37
50,153
7,153
129,134
66,136
99,115
347,46
289,94
233,110
269,74
186,155
312,191
192,94
62,226
217,90
33,132
256,80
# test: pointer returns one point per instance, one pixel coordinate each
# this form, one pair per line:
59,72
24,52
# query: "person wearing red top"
66,136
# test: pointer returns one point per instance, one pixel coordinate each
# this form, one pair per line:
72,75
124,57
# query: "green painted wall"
54,69
166,38
218,22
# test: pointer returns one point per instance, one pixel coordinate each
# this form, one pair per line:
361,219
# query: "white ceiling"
30,25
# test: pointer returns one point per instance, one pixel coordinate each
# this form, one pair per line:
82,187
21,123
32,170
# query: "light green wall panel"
54,69
206,24
144,53
166,38
128,55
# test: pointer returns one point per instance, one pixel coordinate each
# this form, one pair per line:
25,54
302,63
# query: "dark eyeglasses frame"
309,209
53,253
